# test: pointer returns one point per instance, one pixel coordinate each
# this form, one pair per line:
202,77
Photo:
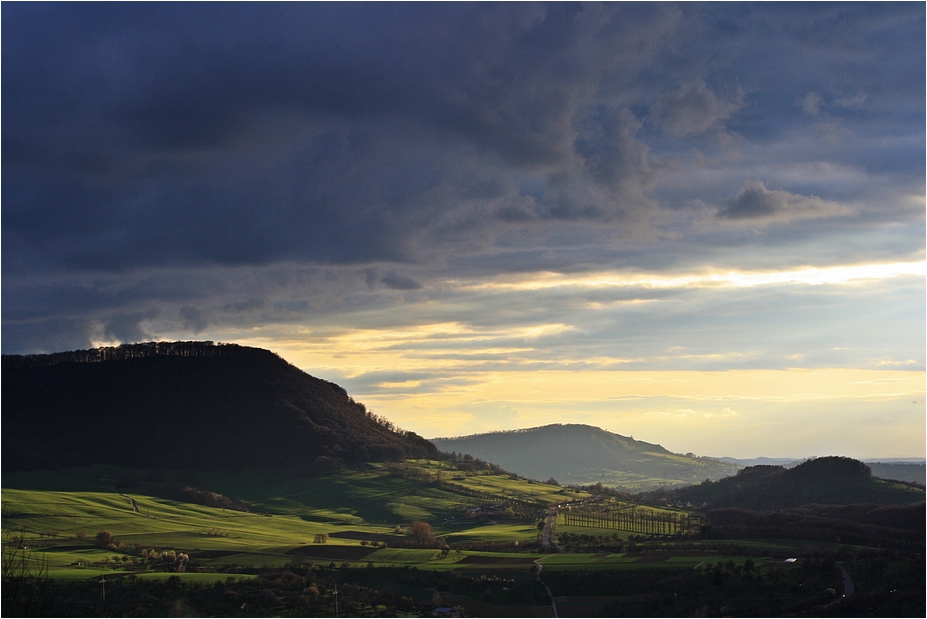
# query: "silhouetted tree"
104,539
421,533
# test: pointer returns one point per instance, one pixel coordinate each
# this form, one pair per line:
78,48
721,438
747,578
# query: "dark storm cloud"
755,202
398,281
234,136
128,327
46,335
193,318
176,138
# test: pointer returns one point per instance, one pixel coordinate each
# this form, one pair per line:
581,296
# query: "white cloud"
853,102
811,104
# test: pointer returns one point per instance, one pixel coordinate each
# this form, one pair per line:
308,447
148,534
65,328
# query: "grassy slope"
584,583
350,504
347,507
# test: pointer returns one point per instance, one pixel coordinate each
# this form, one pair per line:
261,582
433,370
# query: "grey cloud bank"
205,165
755,202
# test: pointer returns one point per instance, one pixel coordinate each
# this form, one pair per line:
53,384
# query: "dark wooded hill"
832,480
833,499
185,405
898,470
576,453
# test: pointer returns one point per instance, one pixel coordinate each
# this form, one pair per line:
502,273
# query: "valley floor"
353,540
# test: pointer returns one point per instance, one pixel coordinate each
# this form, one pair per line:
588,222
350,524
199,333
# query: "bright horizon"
460,387
701,225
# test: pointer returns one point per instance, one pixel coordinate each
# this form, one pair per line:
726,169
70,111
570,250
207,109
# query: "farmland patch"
370,537
489,560
335,553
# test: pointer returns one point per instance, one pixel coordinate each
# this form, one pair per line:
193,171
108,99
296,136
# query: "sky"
701,225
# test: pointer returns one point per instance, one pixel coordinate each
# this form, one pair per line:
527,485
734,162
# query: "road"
548,527
847,584
545,543
847,587
537,576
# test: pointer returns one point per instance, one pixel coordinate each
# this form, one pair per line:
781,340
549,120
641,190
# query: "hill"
901,471
897,469
581,454
762,460
185,405
832,499
830,481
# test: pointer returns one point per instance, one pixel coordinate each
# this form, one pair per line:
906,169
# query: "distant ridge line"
515,431
133,351
525,430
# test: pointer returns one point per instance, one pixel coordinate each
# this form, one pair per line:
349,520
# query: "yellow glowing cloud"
423,348
450,391
445,376
731,385
406,384
767,407
451,332
811,276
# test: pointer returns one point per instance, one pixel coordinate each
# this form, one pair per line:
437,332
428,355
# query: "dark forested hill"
832,480
185,405
832,499
576,453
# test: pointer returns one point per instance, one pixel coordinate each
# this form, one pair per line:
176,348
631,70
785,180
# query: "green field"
362,514
353,529
59,527
59,515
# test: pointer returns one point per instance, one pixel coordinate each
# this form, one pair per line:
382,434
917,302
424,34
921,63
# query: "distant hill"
786,462
576,453
901,471
829,481
833,499
185,405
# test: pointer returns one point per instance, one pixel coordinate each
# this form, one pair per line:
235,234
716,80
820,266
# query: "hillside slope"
576,453
185,405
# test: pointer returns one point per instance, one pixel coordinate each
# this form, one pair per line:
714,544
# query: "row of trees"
189,494
487,496
130,351
633,519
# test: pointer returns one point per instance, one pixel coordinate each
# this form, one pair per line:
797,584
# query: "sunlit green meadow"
347,519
